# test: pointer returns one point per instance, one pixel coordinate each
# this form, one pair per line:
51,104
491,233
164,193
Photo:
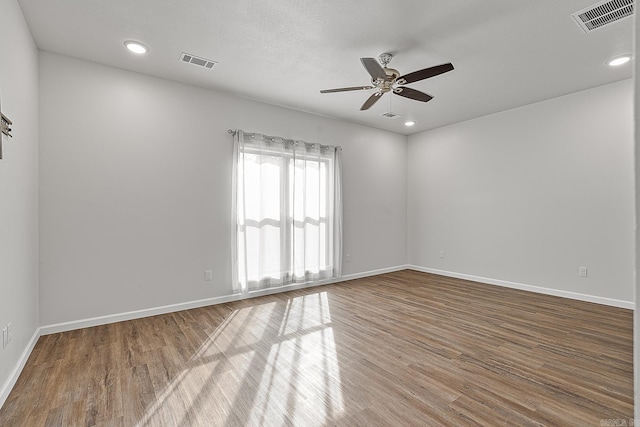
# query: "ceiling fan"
387,79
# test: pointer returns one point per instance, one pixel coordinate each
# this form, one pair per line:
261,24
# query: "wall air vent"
196,60
390,115
603,13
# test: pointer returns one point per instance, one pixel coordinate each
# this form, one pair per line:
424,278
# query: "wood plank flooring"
403,348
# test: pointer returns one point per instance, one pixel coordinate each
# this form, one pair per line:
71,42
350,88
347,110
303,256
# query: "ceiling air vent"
390,115
602,13
196,60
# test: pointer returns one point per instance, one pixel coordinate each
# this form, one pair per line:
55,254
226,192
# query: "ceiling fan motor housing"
386,84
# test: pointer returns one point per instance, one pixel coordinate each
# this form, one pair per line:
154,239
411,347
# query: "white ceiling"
507,53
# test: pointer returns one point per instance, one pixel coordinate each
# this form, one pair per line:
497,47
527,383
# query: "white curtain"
287,212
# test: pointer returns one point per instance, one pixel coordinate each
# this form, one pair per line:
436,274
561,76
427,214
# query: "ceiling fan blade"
407,92
373,68
372,100
424,74
345,89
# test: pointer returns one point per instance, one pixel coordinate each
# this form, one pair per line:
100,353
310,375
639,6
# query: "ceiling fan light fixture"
136,47
409,123
619,60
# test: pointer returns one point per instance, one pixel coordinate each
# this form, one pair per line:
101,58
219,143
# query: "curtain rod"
234,131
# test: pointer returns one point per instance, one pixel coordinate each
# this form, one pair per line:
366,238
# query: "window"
287,212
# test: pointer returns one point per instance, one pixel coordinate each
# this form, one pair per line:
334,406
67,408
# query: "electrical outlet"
582,271
442,254
347,257
208,275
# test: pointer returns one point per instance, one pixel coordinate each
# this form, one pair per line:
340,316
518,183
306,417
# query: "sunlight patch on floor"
279,371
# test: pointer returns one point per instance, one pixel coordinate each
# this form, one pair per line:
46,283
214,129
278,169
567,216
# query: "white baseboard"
137,314
373,273
130,315
13,377
537,289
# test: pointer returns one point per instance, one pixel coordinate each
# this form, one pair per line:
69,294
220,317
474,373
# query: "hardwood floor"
403,348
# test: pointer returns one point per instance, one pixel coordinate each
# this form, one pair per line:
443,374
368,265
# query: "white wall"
135,173
18,189
136,188
530,194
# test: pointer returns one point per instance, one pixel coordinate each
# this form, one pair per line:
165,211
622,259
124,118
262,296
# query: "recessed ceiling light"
136,47
409,123
620,60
